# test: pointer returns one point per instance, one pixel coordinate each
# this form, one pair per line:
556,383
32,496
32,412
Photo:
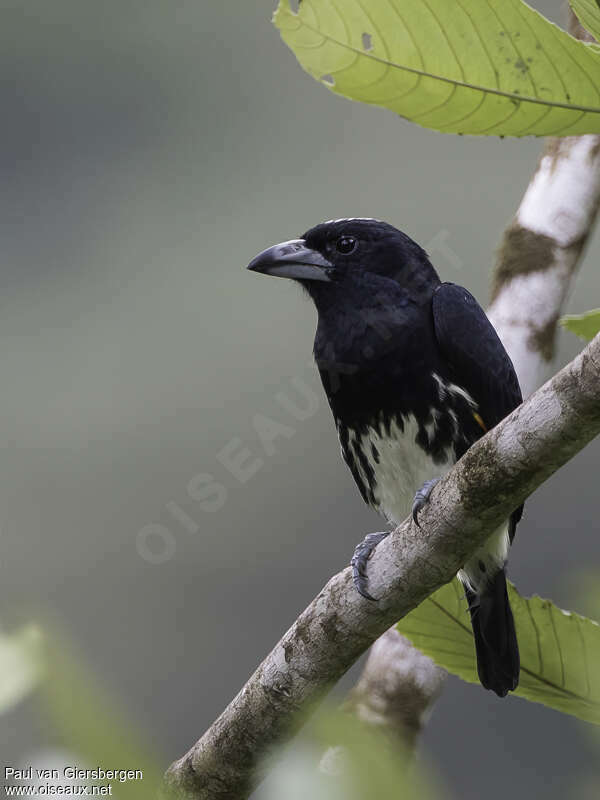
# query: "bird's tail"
495,638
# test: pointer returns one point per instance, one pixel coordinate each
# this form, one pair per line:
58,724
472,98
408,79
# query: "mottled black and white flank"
414,374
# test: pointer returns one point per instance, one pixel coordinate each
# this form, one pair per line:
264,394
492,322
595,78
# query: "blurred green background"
149,150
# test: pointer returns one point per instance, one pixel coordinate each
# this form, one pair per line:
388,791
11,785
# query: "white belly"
399,465
399,468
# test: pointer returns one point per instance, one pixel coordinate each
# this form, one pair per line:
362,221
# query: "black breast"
380,365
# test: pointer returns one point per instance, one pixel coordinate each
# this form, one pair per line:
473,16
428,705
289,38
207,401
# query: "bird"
414,374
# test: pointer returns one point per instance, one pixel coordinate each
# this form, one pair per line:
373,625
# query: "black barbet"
414,374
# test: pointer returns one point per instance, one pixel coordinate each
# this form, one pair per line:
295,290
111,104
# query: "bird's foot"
362,553
422,498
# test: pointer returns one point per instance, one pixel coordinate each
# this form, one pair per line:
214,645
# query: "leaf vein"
422,73
558,647
537,636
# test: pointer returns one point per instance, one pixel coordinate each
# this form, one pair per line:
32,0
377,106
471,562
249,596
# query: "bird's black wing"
474,353
476,357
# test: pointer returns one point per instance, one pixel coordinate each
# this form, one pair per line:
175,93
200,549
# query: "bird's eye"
346,244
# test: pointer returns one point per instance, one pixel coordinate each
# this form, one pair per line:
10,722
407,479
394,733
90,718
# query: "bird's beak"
292,259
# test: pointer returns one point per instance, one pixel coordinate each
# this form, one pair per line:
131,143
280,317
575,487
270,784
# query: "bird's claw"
422,498
362,553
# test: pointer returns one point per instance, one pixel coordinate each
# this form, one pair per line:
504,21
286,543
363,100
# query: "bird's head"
333,253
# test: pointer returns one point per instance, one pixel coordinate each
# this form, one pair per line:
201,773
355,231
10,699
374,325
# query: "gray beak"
292,259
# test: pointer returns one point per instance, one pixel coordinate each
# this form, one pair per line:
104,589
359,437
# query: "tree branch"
394,695
495,476
396,689
541,250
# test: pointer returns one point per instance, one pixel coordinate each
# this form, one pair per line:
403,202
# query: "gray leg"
422,498
362,553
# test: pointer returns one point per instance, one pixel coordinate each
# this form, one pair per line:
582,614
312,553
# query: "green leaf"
560,651
588,13
20,665
586,326
471,66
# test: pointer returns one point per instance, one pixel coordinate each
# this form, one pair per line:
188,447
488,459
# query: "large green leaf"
560,651
586,326
588,12
470,66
